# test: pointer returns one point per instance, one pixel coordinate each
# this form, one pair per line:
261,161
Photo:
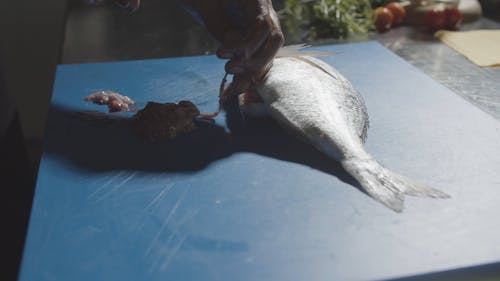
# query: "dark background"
37,35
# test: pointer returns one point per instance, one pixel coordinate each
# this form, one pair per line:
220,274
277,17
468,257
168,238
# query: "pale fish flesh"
317,103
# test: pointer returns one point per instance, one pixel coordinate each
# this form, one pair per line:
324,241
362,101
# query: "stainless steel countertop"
479,85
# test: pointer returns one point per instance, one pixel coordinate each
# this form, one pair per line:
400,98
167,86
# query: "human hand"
249,33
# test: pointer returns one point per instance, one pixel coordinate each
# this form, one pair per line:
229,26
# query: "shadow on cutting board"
487,272
104,145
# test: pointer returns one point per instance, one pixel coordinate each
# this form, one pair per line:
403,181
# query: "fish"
315,102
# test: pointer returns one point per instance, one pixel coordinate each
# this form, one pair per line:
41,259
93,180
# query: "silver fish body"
314,101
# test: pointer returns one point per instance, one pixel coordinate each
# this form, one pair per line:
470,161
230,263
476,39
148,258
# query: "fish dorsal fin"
295,51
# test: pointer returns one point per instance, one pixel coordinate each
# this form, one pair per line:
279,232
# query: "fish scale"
318,104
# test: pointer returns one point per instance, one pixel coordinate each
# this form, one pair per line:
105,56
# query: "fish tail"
385,186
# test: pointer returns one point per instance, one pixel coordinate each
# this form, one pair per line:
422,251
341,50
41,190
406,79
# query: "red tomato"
398,11
435,20
453,18
383,19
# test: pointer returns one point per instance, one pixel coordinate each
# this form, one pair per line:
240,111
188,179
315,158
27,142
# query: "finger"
262,19
230,47
240,84
236,67
237,45
265,22
260,62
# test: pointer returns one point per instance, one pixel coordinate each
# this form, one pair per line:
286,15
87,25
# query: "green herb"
326,18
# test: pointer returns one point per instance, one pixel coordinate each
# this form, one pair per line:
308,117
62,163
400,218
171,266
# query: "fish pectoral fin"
385,186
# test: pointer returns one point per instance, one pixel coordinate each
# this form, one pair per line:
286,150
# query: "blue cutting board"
243,200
